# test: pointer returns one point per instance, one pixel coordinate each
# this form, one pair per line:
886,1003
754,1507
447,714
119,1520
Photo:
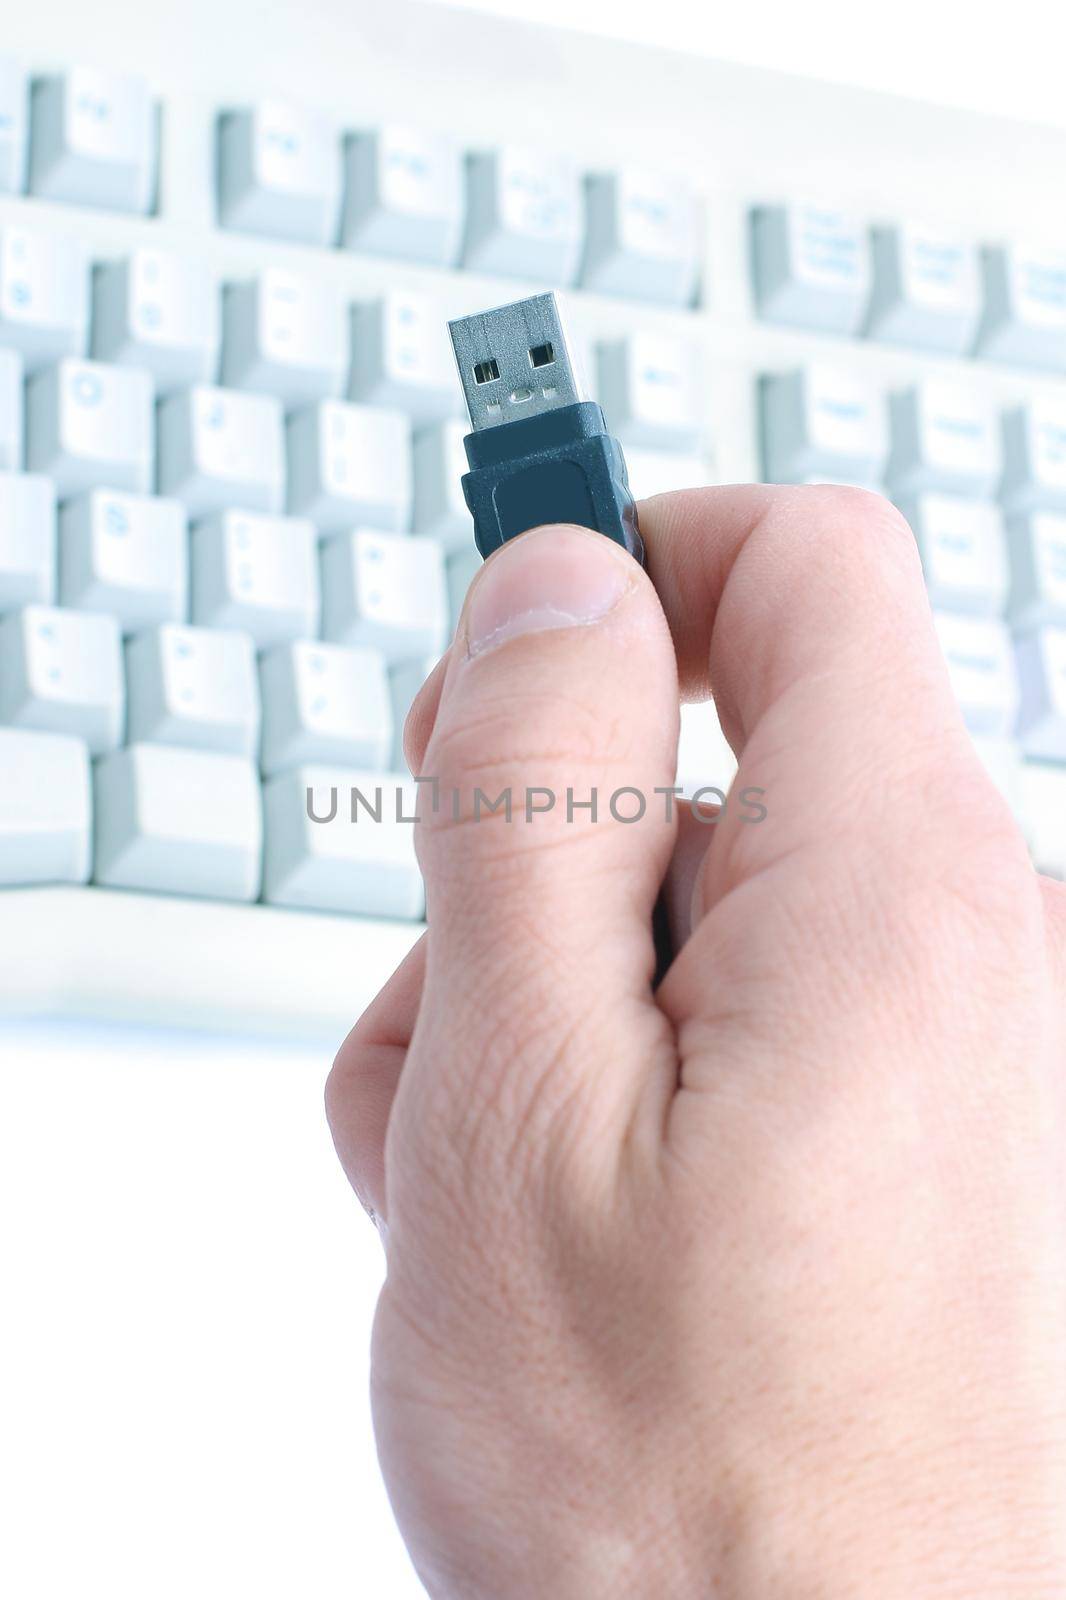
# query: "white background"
188,1283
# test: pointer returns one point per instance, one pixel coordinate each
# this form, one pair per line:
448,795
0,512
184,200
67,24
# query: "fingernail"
555,577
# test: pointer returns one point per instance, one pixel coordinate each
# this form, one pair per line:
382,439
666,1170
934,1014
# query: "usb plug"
539,452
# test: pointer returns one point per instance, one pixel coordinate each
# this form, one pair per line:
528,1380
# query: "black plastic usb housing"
538,452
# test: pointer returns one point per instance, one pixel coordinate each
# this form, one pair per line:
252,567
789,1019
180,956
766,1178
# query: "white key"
982,670
641,237
403,195
1003,763
44,296
334,864
1025,307
45,808
1038,570
14,126
350,464
945,439
1043,813
963,547
523,215
384,591
401,357
160,311
822,420
94,140
926,289
126,554
178,822
1034,456
647,386
704,757
61,671
440,509
812,267
220,448
88,423
27,540
659,472
280,173
10,411
193,686
256,573
286,334
459,575
405,680
326,703
1042,679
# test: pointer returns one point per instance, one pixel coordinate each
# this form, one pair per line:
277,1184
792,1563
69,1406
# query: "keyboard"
232,533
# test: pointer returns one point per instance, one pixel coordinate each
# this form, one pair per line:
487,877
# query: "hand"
754,1286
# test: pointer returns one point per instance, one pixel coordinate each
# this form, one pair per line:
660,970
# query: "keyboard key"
648,388
324,703
982,670
1034,456
286,334
945,439
403,195
523,215
10,411
14,124
821,420
280,173
220,448
440,509
89,424
1025,307
159,311
27,540
461,567
256,573
812,267
125,554
1038,570
193,686
1042,808
386,592
926,289
329,862
44,296
660,472
350,464
641,237
46,815
963,547
405,681
94,140
1042,679
61,671
178,822
401,357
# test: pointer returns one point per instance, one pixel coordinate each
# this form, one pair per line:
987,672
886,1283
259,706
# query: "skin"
753,1286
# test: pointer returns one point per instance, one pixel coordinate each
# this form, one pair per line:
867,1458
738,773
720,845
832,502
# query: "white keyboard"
232,534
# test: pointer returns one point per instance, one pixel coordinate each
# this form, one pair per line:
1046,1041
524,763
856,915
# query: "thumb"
544,851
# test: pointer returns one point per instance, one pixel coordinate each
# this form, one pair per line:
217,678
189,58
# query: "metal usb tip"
514,362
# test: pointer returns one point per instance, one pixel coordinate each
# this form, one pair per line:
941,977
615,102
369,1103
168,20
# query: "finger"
806,611
362,1084
422,715
561,686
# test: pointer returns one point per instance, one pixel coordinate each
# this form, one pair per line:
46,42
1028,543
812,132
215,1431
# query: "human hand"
754,1286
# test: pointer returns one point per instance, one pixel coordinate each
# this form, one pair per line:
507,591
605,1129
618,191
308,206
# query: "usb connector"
514,362
539,451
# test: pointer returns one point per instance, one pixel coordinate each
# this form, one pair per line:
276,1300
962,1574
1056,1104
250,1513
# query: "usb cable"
538,452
